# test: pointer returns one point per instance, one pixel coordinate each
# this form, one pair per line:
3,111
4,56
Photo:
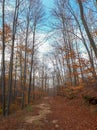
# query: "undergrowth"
29,108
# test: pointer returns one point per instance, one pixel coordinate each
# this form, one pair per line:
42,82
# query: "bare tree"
83,41
12,54
92,42
3,57
37,17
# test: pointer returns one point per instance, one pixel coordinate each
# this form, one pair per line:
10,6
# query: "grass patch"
29,108
87,98
90,99
71,96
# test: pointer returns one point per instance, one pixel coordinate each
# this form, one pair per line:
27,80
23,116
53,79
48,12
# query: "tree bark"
11,56
92,42
84,42
3,59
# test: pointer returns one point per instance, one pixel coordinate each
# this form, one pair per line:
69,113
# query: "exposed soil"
53,113
71,115
44,110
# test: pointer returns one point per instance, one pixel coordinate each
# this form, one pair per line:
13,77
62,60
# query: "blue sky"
48,4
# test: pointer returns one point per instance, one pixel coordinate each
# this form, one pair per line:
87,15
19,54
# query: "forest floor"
53,113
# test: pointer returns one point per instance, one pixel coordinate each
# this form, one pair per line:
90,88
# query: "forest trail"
53,113
44,110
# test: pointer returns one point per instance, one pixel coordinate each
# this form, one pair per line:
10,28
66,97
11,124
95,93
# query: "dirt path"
44,110
71,115
53,113
59,113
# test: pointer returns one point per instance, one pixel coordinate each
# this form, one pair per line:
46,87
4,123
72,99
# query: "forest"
49,55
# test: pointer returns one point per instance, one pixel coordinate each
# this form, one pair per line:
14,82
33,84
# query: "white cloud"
45,47
42,42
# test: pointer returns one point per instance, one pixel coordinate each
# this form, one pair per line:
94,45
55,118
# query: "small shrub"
1,110
29,108
87,97
71,96
90,99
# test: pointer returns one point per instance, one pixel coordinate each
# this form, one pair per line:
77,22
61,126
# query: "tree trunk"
92,43
32,67
11,57
3,59
84,42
